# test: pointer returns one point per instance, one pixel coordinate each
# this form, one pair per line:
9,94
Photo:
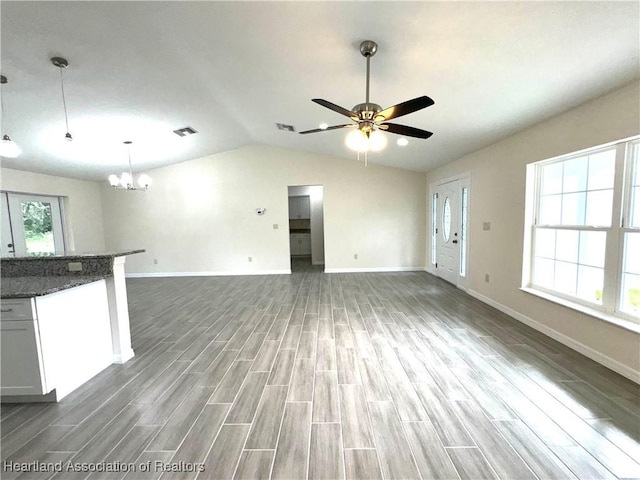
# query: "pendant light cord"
64,101
2,109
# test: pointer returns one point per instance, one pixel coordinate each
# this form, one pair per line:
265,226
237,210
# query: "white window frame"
614,249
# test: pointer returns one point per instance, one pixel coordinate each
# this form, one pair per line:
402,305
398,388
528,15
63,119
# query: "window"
434,228
585,239
31,225
463,232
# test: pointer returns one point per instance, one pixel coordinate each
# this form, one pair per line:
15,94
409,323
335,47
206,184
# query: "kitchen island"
64,319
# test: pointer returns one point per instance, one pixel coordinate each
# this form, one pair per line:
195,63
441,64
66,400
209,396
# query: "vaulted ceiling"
232,70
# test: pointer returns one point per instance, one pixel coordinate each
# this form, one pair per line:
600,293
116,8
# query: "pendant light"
62,63
125,180
8,148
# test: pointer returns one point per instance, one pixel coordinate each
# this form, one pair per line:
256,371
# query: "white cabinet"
299,207
300,244
65,341
21,368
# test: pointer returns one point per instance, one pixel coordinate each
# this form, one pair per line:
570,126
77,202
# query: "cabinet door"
294,243
21,370
304,207
305,246
293,208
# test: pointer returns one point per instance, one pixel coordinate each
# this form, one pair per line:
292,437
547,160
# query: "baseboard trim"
587,351
123,357
207,274
373,270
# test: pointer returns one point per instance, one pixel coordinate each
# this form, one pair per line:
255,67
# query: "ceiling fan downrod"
368,49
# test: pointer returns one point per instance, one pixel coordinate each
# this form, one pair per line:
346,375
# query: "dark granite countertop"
77,255
27,287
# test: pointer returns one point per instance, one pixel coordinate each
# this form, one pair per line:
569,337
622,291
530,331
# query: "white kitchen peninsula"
64,319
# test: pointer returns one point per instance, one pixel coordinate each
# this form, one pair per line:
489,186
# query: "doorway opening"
449,233
306,228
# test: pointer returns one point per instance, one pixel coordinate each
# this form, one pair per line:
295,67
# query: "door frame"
464,181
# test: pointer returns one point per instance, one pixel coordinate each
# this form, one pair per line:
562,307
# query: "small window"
446,219
434,227
463,232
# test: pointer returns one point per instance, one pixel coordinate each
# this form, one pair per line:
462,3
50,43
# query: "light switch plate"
486,225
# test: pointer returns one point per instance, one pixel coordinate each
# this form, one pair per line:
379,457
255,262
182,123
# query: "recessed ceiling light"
285,127
323,126
185,132
403,142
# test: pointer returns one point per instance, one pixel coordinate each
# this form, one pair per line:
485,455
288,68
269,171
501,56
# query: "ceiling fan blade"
405,108
336,108
335,127
404,130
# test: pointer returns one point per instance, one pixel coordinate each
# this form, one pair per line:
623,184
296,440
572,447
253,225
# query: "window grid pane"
578,191
634,203
630,302
570,262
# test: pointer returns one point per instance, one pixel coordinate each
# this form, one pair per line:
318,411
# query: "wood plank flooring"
312,375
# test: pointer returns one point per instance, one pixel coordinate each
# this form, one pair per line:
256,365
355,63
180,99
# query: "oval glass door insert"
446,219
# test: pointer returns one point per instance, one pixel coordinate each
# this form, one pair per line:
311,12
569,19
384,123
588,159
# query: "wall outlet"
251,259
486,226
275,226
75,266
355,256
486,277
155,261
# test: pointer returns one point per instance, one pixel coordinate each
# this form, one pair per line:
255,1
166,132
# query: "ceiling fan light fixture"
358,141
323,126
402,142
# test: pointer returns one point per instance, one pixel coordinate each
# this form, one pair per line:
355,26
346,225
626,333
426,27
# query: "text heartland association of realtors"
50,467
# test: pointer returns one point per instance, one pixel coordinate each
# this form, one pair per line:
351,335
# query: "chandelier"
125,180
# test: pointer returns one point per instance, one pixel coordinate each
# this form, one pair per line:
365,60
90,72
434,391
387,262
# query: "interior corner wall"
199,217
498,196
81,201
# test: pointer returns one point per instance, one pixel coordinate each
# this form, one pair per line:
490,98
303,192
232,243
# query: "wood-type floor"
313,375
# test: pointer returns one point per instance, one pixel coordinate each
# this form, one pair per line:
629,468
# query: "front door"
448,231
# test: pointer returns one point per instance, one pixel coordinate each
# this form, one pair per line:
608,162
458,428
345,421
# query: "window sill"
592,312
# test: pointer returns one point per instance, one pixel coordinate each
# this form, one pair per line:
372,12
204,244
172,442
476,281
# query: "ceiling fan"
369,117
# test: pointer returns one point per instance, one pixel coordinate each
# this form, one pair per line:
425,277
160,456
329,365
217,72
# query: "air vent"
286,128
185,132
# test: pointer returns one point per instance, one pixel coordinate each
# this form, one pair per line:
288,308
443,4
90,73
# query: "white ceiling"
231,70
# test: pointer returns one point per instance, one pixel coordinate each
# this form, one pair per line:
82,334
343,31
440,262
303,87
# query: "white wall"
316,196
199,216
498,196
82,204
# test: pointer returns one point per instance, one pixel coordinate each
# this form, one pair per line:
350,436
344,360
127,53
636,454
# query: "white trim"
613,364
223,273
587,310
374,269
123,357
